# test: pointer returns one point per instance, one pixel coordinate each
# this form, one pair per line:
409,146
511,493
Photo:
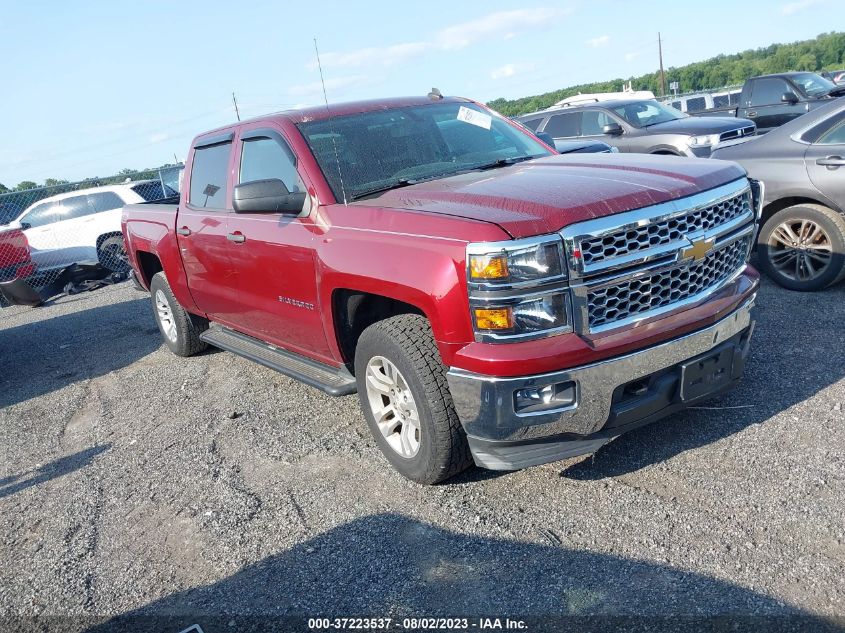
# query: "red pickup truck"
489,300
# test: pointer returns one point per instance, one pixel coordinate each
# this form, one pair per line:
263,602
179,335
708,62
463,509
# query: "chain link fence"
51,234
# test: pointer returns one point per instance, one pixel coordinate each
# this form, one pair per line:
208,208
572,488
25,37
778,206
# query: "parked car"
488,299
801,243
84,225
15,259
643,126
772,100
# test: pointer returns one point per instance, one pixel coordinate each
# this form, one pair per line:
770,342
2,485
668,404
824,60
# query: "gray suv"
643,126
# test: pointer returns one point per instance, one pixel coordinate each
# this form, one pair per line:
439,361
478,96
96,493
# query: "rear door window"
563,125
73,207
767,91
208,176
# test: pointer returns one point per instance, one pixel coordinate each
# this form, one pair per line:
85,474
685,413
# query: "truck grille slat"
643,294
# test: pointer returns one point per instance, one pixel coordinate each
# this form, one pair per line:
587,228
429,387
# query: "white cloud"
629,57
601,40
796,7
501,25
159,137
509,70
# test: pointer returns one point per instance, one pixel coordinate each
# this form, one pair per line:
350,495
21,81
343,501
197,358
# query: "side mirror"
789,97
267,196
612,129
546,138
25,226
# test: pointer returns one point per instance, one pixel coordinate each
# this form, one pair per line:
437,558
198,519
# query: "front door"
275,254
825,160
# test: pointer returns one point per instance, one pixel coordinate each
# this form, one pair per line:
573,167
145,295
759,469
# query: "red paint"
409,245
15,261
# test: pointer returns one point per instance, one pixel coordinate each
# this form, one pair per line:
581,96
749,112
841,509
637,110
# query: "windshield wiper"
398,184
501,162
836,91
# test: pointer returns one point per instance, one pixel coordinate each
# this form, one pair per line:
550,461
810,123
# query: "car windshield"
374,151
648,112
812,84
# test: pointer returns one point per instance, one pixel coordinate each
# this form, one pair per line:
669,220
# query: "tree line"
96,181
825,52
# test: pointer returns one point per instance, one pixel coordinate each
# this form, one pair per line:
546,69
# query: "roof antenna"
334,137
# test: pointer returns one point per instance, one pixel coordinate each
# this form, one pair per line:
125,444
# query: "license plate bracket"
707,374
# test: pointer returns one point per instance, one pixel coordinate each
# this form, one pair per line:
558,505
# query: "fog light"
544,398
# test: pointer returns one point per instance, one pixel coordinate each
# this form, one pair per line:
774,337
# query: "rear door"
202,226
275,254
103,218
825,160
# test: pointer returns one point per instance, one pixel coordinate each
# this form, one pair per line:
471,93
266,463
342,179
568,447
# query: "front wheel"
180,330
803,247
406,401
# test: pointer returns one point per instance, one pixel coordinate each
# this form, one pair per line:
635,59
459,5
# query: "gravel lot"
136,482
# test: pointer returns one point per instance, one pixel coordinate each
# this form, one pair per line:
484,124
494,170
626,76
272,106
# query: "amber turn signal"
493,318
488,266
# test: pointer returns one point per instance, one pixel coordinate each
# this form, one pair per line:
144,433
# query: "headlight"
706,140
522,317
516,263
517,289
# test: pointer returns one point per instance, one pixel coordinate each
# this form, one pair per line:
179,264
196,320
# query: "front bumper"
502,439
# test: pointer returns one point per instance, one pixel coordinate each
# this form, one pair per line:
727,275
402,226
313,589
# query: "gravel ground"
136,482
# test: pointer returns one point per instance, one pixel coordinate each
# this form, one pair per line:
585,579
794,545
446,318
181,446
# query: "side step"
333,380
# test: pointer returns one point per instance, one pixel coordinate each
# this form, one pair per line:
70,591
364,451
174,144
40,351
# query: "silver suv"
643,126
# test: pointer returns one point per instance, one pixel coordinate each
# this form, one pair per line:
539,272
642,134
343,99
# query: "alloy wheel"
800,249
165,316
393,406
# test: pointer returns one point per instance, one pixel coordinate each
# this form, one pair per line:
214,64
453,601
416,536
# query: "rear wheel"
112,254
803,247
406,401
180,330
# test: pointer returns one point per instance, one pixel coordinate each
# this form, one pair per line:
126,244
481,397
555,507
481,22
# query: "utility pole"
662,76
238,114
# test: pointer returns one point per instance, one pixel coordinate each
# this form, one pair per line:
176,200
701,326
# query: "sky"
90,88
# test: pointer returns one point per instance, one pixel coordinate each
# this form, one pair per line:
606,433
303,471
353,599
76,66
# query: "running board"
335,381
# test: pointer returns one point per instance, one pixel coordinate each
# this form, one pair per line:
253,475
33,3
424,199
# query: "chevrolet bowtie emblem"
698,250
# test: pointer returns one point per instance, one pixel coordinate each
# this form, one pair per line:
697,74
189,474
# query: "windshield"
812,84
648,112
388,148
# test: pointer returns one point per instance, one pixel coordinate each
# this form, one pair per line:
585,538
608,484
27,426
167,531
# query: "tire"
819,233
179,329
111,254
406,343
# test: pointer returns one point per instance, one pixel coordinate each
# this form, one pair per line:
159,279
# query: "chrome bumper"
485,404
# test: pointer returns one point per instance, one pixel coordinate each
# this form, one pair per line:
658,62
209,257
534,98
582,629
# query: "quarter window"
532,124
836,136
208,176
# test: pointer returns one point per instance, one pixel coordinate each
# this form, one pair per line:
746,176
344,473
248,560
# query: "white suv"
84,225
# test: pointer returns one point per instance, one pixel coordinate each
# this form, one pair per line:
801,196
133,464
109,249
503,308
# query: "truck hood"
547,194
694,125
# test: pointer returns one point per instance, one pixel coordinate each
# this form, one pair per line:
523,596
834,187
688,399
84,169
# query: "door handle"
237,237
831,161
183,231
751,114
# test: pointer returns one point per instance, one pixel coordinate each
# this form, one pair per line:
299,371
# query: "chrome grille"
641,264
671,229
644,294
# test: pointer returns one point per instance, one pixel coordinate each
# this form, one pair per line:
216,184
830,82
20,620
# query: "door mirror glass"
267,196
613,129
789,97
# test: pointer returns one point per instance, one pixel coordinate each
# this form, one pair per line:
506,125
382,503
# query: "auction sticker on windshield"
475,117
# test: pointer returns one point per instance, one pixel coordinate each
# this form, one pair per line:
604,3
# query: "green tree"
52,182
3,188
26,184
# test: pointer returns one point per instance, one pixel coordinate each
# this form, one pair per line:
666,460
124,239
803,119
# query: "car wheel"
803,247
112,254
406,401
180,330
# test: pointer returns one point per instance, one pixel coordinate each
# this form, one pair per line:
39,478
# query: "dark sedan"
801,243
